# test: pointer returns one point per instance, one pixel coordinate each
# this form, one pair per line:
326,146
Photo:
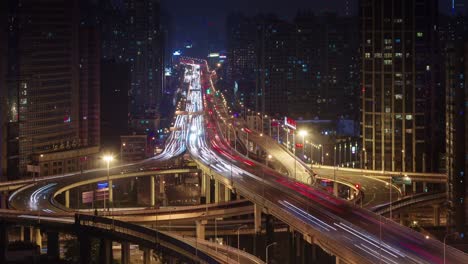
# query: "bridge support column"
216,191
335,189
3,241
3,200
337,260
21,233
415,187
105,251
425,187
208,189
402,218
202,181
38,237
152,191
162,189
67,199
111,193
125,259
85,249
200,228
53,250
403,189
227,194
146,256
257,218
436,208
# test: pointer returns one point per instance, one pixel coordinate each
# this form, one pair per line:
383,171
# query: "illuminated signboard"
289,122
213,55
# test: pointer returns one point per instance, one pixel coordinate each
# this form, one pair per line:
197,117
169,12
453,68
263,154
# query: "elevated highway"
352,234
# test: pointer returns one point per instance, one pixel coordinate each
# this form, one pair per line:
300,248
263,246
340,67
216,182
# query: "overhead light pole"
108,159
267,247
238,241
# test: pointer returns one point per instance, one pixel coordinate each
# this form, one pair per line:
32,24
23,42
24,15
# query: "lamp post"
303,133
108,159
247,142
238,241
267,247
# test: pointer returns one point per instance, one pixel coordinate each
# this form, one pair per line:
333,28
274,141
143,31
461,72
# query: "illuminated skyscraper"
401,119
456,85
53,88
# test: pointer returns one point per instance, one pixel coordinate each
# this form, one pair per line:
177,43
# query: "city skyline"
278,132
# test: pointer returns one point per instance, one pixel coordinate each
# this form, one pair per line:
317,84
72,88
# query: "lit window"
367,55
409,117
419,34
428,67
388,62
378,55
398,96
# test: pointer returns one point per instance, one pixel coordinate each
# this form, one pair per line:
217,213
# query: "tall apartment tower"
456,83
53,88
3,90
145,54
400,122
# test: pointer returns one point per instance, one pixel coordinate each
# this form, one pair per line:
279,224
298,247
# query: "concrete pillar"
85,248
21,233
200,229
337,260
28,234
415,187
162,189
38,237
67,199
3,200
402,218
146,256
216,191
436,208
3,242
227,194
162,184
125,259
111,193
257,218
53,249
203,185
152,191
403,189
105,251
208,189
335,189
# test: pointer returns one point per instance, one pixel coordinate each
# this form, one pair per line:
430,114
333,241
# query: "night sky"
197,20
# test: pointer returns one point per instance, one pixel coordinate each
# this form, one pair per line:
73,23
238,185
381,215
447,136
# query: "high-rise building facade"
53,86
456,85
132,34
400,122
306,69
145,54
3,89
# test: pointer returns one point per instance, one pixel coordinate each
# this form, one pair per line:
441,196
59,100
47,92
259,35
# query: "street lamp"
267,247
247,142
303,133
108,159
238,241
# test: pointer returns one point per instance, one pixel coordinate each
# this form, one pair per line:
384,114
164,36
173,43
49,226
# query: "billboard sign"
290,123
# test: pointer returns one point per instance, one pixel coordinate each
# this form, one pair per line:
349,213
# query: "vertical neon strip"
453,6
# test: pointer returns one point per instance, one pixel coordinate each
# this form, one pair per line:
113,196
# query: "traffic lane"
367,224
